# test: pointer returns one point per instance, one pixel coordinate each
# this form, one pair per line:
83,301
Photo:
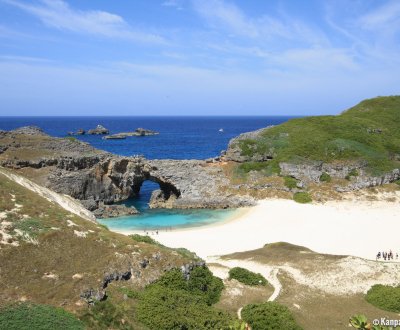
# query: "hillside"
51,256
365,138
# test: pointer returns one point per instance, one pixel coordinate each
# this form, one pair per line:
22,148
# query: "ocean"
179,138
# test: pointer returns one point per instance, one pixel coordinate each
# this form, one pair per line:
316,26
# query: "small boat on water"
221,130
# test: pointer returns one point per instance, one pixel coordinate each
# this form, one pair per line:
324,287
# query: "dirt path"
270,273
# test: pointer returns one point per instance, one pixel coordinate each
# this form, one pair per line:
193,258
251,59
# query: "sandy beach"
357,228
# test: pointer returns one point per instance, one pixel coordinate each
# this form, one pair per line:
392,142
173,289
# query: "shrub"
397,182
290,182
325,177
269,315
105,315
27,316
353,172
302,197
384,297
246,277
164,308
144,239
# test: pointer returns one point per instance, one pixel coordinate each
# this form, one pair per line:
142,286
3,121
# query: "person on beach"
378,256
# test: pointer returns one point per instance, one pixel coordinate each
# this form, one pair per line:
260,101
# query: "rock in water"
99,130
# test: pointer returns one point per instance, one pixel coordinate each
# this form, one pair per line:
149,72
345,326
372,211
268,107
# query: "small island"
137,132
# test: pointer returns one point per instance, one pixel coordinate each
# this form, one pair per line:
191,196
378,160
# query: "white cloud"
178,4
58,14
388,13
222,14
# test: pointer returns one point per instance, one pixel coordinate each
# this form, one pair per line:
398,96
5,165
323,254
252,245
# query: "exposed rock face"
313,172
137,132
234,153
144,132
112,211
29,130
99,130
78,132
99,179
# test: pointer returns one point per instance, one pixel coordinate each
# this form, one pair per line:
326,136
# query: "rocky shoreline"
99,179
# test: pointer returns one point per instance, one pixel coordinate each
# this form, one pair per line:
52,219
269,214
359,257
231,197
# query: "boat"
221,130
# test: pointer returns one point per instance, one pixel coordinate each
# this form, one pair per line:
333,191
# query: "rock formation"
99,130
99,179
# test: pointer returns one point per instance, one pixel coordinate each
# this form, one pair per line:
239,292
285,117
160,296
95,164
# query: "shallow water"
163,219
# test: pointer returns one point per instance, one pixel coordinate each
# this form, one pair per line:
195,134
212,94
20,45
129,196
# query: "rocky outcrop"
234,152
29,130
78,132
312,171
112,211
144,132
99,130
137,132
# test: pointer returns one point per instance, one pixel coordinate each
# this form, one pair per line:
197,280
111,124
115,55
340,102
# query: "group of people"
387,255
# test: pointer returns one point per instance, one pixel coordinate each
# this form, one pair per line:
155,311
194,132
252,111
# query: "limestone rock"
99,130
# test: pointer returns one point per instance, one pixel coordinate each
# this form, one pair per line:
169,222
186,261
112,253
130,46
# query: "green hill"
367,134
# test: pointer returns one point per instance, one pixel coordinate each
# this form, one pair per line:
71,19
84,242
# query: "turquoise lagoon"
163,219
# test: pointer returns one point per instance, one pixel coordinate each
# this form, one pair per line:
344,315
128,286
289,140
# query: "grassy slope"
60,252
337,138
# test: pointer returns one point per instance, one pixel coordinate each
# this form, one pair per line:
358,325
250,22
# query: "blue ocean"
179,138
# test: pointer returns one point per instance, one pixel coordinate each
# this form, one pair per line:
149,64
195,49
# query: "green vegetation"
384,297
397,182
269,315
144,239
175,303
290,182
105,315
71,138
27,316
361,322
302,197
367,132
246,277
268,168
325,177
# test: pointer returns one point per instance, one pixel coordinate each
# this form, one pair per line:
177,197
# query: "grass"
27,316
302,197
62,253
384,297
367,132
246,276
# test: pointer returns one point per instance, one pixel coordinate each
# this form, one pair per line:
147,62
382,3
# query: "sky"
196,57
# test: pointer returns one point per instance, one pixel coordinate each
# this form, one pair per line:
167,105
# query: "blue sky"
196,57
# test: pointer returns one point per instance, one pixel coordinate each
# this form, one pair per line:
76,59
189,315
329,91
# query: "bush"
105,315
269,315
325,177
144,239
164,308
290,182
27,316
397,182
384,297
246,277
302,197
176,303
352,173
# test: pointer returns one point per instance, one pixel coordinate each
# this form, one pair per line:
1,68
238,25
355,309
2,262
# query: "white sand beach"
357,228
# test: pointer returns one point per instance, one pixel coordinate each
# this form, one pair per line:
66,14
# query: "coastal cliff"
99,179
